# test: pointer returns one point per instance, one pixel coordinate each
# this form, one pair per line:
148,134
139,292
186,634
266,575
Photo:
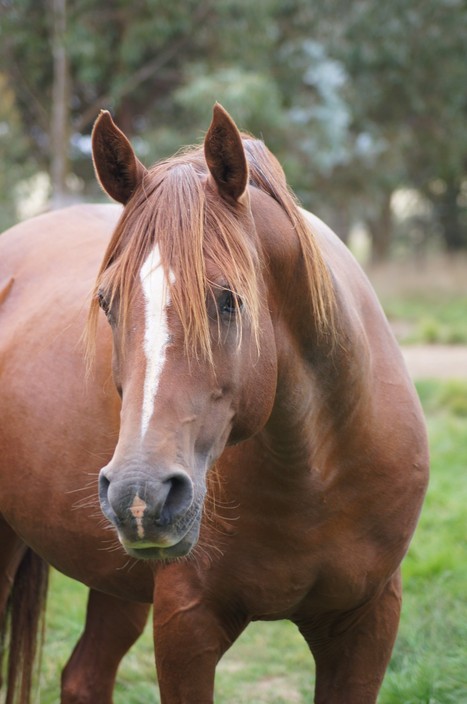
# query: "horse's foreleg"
352,651
190,636
112,626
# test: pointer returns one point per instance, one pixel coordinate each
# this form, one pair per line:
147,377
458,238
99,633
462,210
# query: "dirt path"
436,361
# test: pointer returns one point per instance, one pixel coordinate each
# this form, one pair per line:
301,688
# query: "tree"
130,58
357,99
407,69
60,120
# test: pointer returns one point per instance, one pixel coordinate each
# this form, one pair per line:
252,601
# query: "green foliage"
252,97
14,151
356,99
270,663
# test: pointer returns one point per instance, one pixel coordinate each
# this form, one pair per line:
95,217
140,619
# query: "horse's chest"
276,590
278,568
269,570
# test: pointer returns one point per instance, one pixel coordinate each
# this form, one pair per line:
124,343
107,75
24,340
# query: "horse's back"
55,245
47,267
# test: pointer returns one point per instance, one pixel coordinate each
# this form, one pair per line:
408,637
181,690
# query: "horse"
242,415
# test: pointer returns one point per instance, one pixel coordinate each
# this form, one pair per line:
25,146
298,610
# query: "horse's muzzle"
155,517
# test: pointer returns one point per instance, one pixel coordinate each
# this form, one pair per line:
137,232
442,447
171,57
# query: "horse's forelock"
191,222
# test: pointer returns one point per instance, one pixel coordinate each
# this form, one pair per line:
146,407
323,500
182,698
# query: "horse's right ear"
118,170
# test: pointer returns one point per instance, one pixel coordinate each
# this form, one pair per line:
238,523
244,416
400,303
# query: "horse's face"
180,410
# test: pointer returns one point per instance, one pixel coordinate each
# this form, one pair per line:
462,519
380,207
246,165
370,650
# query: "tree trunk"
59,136
453,226
381,232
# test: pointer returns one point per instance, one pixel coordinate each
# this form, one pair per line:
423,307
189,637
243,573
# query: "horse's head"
194,356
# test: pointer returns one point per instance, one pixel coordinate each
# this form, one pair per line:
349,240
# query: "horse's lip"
165,547
145,550
157,552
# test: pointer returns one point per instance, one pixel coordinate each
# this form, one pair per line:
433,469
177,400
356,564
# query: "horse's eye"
229,303
103,302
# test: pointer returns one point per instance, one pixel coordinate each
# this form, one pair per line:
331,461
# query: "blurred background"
364,102
365,105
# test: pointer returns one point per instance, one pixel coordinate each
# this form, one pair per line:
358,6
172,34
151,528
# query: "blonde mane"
189,221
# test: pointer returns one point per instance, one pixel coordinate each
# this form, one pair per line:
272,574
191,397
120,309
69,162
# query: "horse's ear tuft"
225,156
117,168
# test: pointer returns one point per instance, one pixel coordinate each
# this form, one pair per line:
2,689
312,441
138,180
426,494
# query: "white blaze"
156,335
137,509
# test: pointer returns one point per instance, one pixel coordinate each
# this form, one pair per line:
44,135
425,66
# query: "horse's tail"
22,627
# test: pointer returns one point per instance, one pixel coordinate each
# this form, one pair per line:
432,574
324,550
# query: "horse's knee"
78,688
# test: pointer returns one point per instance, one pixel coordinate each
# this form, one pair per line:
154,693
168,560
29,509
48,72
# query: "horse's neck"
323,402
322,391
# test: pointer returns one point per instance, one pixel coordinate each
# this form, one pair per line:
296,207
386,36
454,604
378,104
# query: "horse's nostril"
179,496
104,484
165,499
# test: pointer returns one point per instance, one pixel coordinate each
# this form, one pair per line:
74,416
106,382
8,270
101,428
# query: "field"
270,663
426,300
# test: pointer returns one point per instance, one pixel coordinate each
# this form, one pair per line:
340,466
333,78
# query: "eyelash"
103,303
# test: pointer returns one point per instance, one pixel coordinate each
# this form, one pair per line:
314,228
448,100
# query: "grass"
429,664
428,319
270,662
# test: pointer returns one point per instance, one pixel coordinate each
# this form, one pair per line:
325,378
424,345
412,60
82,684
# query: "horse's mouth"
180,549
160,549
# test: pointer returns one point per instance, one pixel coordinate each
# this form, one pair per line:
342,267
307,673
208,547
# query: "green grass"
428,319
270,662
425,299
429,664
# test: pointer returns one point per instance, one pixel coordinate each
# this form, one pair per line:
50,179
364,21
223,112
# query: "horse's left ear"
118,169
225,155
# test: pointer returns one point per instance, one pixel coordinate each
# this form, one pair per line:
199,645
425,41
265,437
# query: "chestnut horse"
264,450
